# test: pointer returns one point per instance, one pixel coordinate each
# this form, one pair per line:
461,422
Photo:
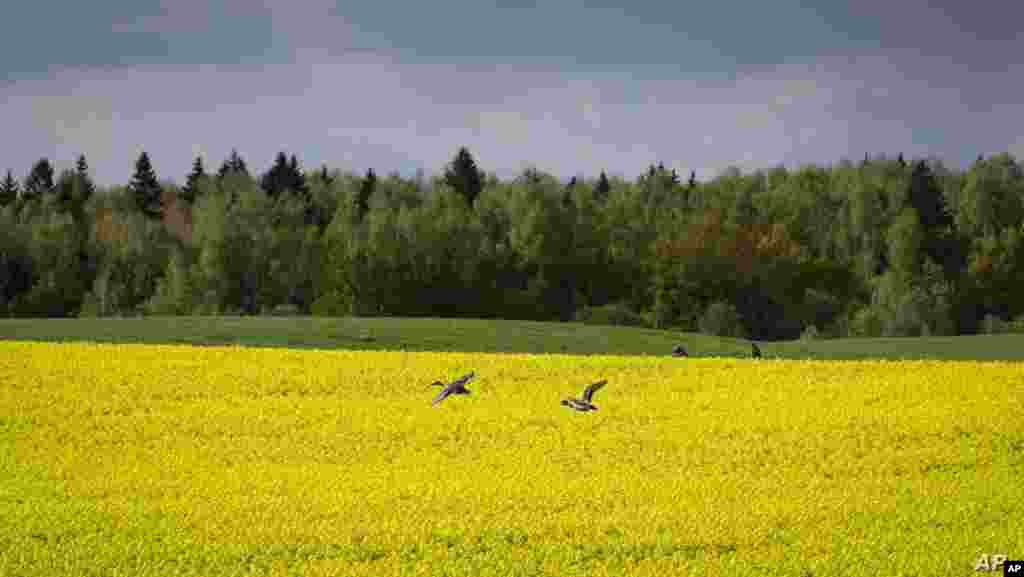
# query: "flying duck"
456,387
583,404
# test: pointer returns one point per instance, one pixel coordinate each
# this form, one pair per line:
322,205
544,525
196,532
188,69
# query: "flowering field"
165,460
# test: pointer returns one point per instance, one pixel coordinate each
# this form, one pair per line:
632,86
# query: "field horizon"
489,336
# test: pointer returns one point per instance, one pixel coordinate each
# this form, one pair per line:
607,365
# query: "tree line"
878,247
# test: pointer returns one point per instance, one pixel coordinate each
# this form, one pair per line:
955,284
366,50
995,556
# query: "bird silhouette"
584,404
456,387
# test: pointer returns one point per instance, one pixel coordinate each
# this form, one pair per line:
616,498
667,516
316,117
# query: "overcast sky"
567,86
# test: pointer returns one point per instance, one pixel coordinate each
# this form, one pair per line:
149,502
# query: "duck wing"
460,383
588,394
445,392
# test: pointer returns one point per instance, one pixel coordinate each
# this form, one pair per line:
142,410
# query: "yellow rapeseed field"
177,460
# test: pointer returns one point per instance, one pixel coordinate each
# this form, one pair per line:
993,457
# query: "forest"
878,247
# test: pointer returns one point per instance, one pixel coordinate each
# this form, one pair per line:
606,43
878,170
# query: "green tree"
278,178
234,164
146,189
297,180
73,189
190,191
906,239
603,187
464,177
325,176
992,197
39,182
926,197
18,270
57,245
366,190
8,190
174,294
68,191
85,181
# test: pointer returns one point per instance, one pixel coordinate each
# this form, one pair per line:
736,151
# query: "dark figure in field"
679,351
456,387
583,404
755,350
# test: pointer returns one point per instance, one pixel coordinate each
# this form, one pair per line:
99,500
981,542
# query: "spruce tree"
464,176
688,190
603,187
86,186
74,188
68,191
366,189
276,180
190,191
39,181
567,199
325,176
925,195
297,180
8,190
146,189
942,243
234,164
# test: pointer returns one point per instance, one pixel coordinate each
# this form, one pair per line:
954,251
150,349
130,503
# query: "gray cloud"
361,110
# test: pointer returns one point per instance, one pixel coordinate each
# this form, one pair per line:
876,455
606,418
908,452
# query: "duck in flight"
584,404
456,387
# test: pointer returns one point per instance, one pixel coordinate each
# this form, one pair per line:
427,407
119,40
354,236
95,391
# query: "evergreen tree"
191,189
276,180
925,195
233,164
464,176
82,172
74,188
146,189
603,187
669,179
942,243
366,190
285,175
70,192
8,190
567,199
297,180
325,176
39,181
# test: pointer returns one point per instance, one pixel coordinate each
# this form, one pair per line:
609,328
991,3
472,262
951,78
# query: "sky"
571,87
